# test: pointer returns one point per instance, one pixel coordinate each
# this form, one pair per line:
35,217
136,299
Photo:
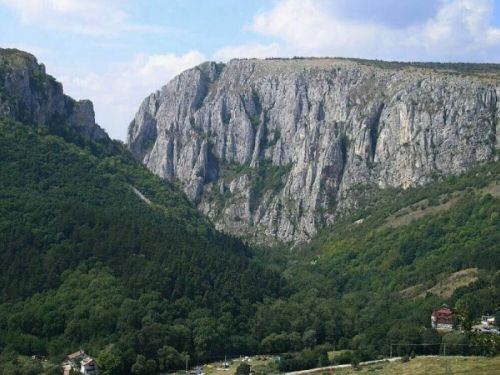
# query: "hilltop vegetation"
85,262
349,282
484,69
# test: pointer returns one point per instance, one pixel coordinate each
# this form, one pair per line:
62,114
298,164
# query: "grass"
434,366
447,286
260,365
425,207
337,353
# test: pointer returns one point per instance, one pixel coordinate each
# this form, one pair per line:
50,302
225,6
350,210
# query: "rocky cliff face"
29,95
274,149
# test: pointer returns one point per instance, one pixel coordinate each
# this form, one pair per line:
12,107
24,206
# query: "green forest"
352,284
87,263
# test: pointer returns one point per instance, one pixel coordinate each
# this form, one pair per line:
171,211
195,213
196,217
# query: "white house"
488,321
80,361
88,366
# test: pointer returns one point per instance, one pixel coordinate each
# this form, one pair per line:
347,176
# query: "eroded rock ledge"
274,149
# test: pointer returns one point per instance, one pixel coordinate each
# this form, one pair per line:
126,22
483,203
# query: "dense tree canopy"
143,281
86,262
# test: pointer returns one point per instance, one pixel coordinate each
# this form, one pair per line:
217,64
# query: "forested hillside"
85,262
375,278
98,253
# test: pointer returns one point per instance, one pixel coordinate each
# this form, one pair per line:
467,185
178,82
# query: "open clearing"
423,208
216,368
445,287
433,366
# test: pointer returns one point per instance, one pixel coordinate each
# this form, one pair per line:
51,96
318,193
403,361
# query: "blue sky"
117,52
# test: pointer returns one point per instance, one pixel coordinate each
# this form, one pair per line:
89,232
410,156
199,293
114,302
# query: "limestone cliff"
28,94
274,149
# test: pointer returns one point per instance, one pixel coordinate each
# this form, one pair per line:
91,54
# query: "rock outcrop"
29,95
274,149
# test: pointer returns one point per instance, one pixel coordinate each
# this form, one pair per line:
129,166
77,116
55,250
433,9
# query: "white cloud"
250,50
167,65
455,30
461,29
118,92
88,17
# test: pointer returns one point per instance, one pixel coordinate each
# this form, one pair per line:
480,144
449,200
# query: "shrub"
243,369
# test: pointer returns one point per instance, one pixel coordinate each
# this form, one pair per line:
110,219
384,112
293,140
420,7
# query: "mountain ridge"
28,94
323,131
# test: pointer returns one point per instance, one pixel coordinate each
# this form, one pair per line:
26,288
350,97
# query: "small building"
66,369
443,318
487,326
88,366
80,362
76,356
488,321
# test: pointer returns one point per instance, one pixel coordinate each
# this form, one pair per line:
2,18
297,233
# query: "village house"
488,321
76,356
443,318
487,325
81,362
88,366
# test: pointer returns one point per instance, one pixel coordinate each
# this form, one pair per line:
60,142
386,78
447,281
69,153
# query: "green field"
261,365
434,366
416,366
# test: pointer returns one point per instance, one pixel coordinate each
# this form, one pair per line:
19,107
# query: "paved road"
328,368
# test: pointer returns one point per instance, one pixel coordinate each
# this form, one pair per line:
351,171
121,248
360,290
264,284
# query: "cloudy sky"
117,52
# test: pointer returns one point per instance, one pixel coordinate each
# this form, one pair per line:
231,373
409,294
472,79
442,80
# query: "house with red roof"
443,318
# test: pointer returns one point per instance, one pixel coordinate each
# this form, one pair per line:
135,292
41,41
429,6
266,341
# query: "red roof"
443,315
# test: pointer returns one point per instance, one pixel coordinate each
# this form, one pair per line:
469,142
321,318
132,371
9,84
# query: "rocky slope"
274,149
29,95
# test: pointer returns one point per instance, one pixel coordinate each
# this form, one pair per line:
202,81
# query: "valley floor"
425,365
429,366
